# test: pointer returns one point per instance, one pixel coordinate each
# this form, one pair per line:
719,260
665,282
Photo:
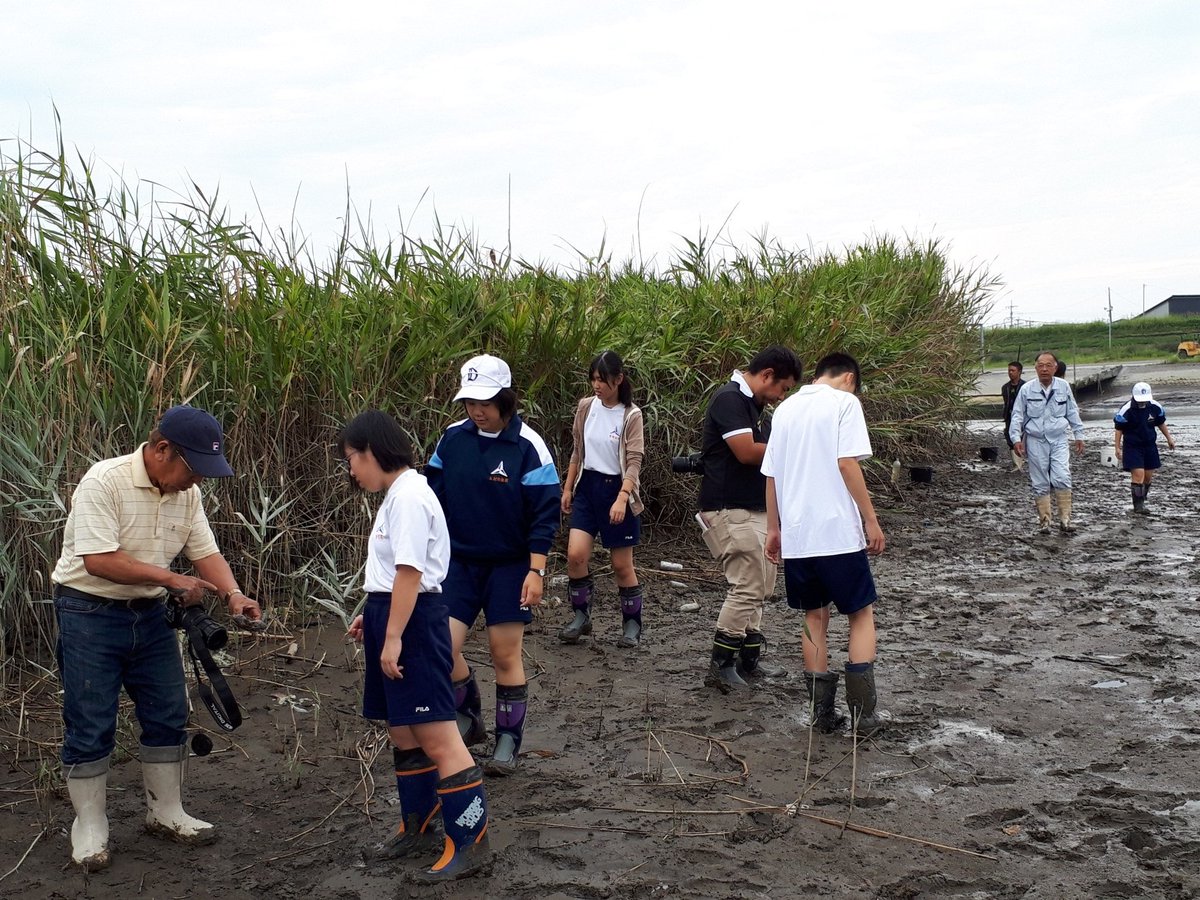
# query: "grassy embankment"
1088,342
113,308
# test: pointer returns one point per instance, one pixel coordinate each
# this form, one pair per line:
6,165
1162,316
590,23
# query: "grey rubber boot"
469,710
581,591
822,696
722,668
631,616
861,699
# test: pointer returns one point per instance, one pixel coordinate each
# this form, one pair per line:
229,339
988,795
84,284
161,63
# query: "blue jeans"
102,646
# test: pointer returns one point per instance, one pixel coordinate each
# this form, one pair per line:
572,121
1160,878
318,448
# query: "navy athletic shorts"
424,693
813,582
1134,456
593,498
493,589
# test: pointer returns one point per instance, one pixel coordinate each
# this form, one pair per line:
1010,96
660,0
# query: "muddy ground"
1044,731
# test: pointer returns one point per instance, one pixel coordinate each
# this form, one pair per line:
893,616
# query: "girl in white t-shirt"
407,654
601,496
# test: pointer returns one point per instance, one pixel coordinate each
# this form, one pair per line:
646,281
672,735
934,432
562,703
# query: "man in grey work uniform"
1043,417
130,517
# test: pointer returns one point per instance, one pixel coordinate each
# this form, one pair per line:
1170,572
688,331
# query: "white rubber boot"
164,810
1064,510
89,833
1043,511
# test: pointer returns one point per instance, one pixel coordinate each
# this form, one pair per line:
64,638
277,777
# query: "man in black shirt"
733,507
1008,393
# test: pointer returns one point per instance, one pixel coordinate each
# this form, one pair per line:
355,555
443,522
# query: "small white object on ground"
670,566
690,606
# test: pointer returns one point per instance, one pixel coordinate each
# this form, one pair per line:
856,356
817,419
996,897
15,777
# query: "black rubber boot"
722,669
580,590
822,695
750,664
861,699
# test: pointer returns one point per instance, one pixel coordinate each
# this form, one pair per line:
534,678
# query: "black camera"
196,621
691,464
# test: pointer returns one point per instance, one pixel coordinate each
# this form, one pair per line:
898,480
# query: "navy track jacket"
500,494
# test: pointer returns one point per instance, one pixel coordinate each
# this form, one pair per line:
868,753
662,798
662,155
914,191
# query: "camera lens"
213,635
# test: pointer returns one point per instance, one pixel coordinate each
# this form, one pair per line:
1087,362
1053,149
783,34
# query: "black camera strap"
222,707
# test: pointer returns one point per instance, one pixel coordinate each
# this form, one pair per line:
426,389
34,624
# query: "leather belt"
134,603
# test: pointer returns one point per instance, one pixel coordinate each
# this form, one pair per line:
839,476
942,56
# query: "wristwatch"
541,572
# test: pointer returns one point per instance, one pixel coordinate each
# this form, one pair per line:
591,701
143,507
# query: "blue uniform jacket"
1137,424
501,495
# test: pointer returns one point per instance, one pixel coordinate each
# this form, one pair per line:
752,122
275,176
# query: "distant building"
1175,305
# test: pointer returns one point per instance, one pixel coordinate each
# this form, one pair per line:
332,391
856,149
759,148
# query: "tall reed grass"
118,302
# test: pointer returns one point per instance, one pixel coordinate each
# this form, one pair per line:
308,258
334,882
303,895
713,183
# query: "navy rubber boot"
420,828
465,816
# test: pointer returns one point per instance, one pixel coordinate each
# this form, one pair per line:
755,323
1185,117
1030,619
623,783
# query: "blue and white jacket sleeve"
541,492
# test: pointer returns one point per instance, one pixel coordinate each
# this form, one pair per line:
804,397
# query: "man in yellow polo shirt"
130,517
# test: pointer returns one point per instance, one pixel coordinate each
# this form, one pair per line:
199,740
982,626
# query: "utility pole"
1110,320
1010,312
1143,299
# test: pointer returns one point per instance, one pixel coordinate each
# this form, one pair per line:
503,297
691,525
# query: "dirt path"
1044,716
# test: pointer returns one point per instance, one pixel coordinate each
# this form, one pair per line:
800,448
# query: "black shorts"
493,589
424,693
1138,456
593,498
813,582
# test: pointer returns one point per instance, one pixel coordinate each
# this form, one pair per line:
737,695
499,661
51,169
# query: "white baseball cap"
483,377
1141,392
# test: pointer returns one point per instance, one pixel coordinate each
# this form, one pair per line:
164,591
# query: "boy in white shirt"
817,507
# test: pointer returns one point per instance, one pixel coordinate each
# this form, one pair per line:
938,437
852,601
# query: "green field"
1087,342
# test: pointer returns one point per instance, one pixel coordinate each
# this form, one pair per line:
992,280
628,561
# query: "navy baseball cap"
198,437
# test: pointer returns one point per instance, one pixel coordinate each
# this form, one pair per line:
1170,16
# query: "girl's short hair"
378,432
506,403
609,366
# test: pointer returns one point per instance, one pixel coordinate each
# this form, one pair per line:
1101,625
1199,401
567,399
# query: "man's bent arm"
120,567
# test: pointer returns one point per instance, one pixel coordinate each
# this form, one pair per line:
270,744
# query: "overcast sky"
1056,144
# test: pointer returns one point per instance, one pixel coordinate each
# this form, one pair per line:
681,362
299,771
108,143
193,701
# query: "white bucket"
1108,457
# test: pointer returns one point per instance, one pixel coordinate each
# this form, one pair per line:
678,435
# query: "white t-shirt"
409,530
810,432
602,438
